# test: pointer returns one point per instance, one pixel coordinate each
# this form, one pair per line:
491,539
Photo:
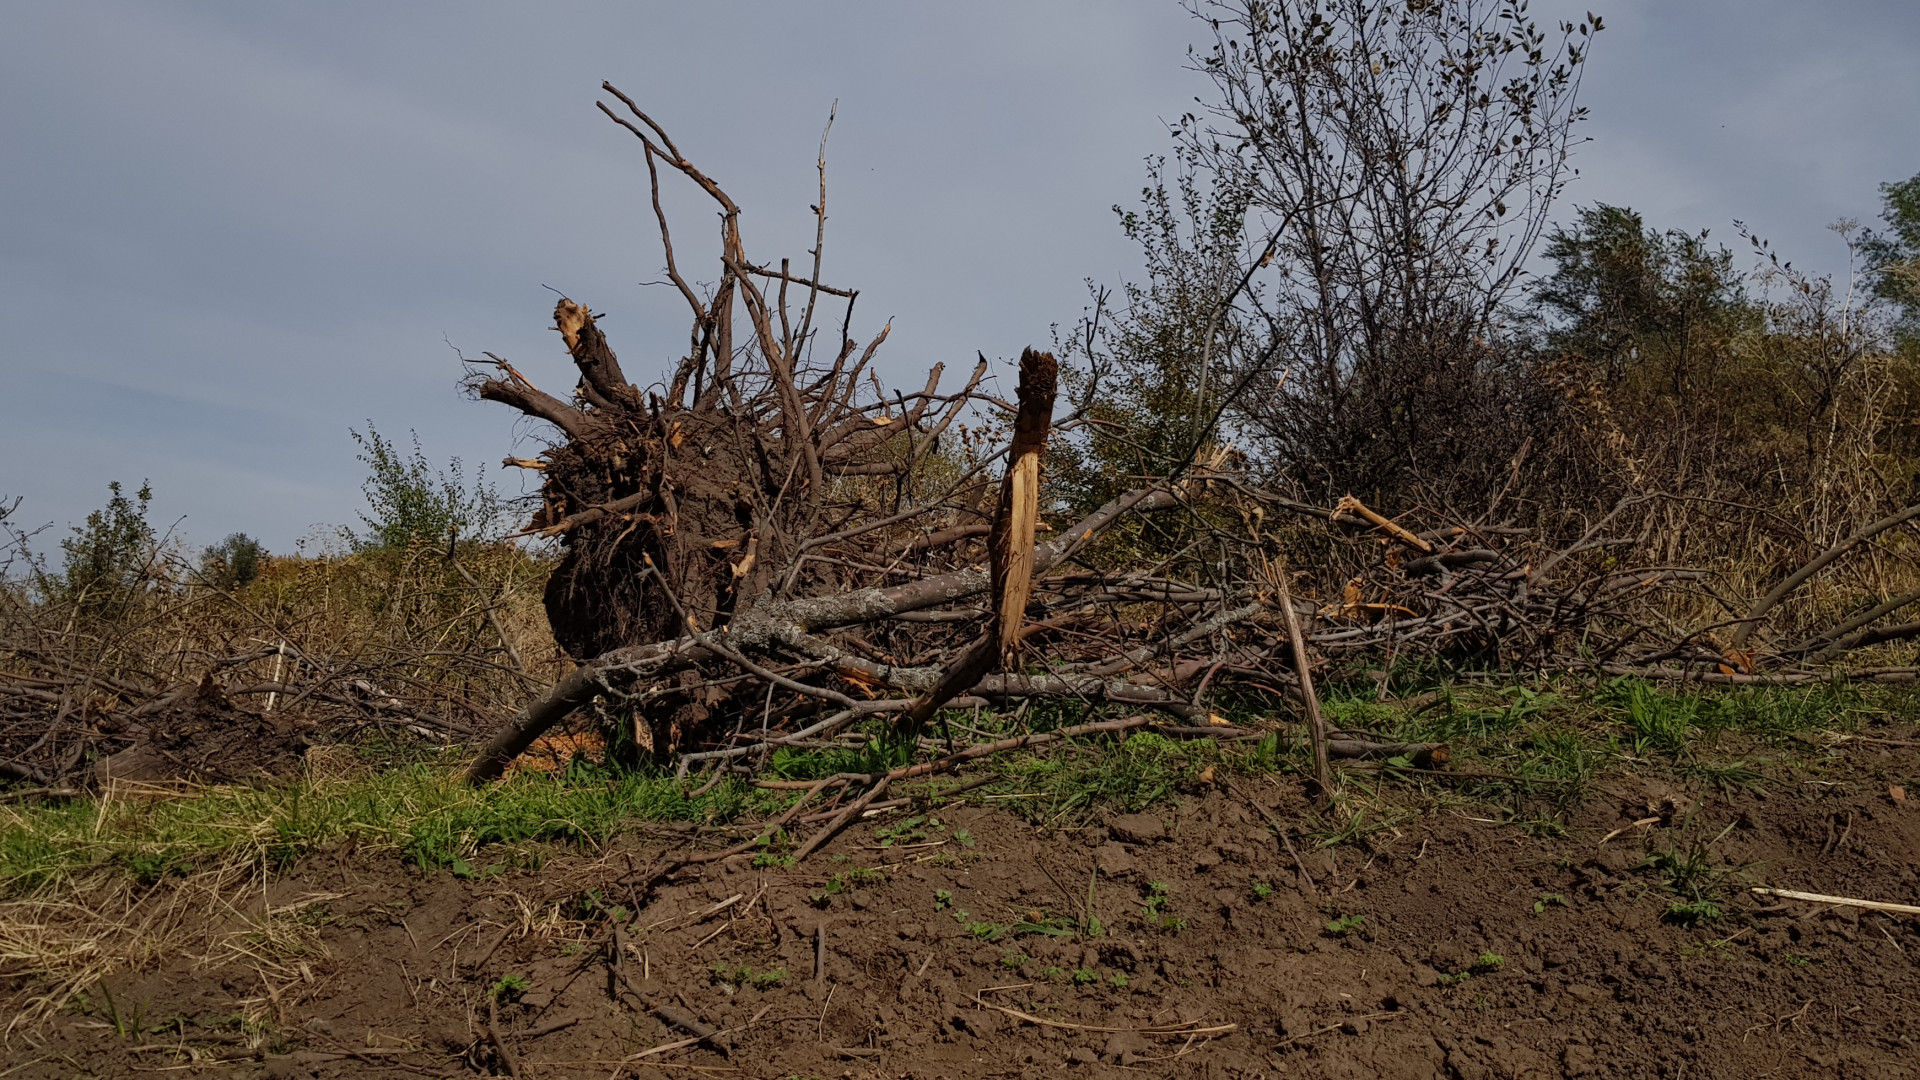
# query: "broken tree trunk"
1010,545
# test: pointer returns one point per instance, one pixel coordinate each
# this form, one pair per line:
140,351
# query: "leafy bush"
233,563
109,557
409,501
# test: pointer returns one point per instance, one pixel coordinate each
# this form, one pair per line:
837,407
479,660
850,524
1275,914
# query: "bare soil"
204,737
1593,978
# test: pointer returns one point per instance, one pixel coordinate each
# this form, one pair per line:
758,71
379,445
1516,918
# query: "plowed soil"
1447,946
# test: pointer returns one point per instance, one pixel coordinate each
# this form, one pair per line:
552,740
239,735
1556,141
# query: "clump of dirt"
1185,942
203,737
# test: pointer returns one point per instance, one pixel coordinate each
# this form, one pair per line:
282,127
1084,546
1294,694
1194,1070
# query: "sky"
230,232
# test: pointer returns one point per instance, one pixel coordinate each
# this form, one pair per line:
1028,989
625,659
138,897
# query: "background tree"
409,500
109,558
1358,197
1893,256
1629,302
233,563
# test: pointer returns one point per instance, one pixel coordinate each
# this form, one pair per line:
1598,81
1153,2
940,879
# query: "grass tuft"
423,812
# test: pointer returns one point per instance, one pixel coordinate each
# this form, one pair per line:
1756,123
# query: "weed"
1488,962
774,851
1085,976
1118,982
1552,899
1155,909
1689,873
1658,721
1014,960
1729,777
1551,828
1557,753
1796,960
509,988
1050,925
124,1026
591,906
1346,924
1690,912
942,899
964,838
1131,776
911,831
1053,974
986,931
743,975
845,881
1261,890
1458,724
1774,713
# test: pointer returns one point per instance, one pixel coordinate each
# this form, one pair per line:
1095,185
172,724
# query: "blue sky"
229,231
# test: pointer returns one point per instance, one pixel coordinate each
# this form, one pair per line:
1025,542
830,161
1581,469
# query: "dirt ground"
1446,946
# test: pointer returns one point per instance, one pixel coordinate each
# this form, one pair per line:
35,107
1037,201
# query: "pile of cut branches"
768,548
178,678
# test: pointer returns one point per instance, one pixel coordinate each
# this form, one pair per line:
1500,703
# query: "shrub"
109,557
233,563
408,500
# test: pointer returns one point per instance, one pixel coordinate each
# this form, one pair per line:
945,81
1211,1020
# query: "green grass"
423,812
1552,738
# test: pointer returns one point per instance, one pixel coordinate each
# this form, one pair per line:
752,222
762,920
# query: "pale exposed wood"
1841,901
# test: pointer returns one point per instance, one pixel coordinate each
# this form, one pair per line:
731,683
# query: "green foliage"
591,906
423,812
1893,257
1541,905
846,881
1155,909
1691,912
1152,385
1659,722
109,557
1345,924
878,754
1130,776
1686,869
509,988
409,501
913,830
1649,311
232,563
1774,713
744,975
1727,776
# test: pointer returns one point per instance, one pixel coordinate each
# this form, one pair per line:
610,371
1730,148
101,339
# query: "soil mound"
960,944
205,738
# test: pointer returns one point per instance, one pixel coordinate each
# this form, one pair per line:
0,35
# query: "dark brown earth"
202,736
1593,983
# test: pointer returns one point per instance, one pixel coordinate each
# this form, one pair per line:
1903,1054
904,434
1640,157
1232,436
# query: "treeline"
1363,278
